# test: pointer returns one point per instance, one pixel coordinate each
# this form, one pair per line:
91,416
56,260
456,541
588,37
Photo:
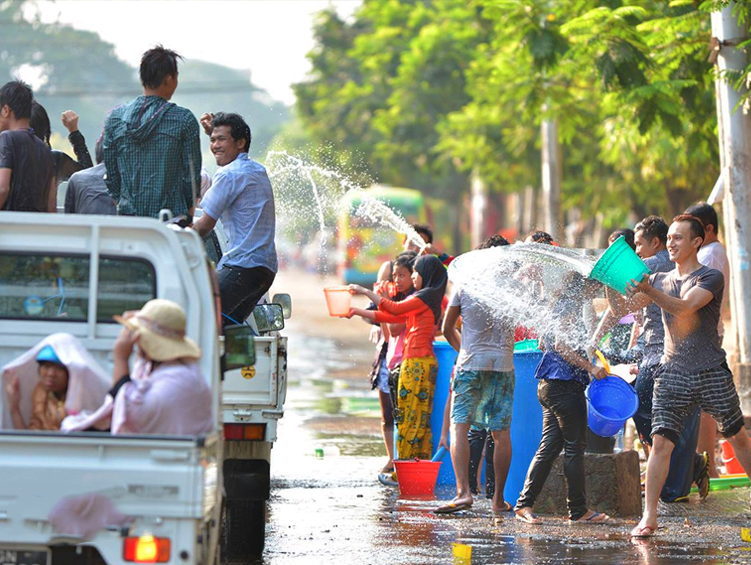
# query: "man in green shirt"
152,150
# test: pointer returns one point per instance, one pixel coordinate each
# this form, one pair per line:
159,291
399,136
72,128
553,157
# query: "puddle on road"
333,510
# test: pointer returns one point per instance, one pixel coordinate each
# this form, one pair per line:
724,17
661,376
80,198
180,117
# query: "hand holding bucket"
618,266
338,300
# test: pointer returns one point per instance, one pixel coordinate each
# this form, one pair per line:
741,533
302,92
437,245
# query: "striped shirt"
152,153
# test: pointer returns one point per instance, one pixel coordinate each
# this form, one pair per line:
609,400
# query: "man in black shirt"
26,164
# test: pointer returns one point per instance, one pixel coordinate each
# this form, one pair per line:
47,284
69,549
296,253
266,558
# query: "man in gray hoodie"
152,150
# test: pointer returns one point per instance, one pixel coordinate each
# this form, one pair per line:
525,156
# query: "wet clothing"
415,392
487,343
564,426
553,367
47,411
714,256
483,398
653,329
418,341
434,280
87,193
695,349
241,196
685,464
678,392
32,168
152,153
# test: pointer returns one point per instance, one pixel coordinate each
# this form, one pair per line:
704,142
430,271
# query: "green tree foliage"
428,91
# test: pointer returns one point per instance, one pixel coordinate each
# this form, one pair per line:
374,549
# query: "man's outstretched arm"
694,300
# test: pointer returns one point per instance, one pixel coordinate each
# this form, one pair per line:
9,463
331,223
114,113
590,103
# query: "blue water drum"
446,356
526,422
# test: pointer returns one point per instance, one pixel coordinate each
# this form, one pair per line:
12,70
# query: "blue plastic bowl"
610,402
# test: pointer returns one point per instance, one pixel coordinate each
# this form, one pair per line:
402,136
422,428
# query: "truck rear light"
146,549
245,432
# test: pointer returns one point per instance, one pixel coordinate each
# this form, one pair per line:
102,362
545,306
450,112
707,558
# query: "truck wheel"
243,530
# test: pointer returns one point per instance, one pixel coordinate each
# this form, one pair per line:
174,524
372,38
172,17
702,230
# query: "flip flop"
596,518
452,507
387,479
526,516
643,532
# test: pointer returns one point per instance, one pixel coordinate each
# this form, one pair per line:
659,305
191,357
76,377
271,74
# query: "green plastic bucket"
526,345
618,265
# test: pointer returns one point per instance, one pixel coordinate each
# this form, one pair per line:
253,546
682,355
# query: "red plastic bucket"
417,477
732,464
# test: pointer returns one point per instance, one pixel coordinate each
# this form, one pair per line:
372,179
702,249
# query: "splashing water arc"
516,283
295,181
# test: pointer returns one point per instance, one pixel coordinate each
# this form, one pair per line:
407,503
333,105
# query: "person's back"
151,146
87,193
30,161
487,343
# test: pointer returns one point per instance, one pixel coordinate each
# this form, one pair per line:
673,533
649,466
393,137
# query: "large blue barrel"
526,422
446,356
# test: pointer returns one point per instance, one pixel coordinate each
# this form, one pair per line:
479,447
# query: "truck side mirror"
239,348
285,301
268,317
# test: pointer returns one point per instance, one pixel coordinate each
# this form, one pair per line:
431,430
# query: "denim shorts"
483,398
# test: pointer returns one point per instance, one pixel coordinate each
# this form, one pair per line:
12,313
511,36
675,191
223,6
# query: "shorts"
676,392
484,399
382,382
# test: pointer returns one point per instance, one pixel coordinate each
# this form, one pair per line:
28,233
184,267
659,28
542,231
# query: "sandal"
526,516
595,518
643,532
452,507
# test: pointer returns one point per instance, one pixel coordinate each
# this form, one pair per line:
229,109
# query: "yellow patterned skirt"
415,393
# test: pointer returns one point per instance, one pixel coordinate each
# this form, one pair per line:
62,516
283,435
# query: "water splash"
518,284
379,212
310,198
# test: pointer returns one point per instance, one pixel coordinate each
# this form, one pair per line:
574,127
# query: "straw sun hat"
160,325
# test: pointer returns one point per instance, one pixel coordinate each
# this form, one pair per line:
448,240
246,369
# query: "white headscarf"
88,383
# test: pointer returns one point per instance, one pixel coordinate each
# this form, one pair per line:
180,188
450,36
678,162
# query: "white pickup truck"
71,274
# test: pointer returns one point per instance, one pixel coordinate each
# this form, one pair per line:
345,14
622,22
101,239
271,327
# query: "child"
48,398
419,369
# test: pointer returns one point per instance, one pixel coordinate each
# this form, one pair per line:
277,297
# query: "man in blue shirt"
242,197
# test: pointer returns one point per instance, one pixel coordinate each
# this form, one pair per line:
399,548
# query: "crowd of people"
684,386
148,159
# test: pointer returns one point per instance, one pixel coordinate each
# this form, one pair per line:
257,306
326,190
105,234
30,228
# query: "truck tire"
243,530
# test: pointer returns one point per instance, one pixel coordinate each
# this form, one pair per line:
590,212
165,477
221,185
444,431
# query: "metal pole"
735,144
551,178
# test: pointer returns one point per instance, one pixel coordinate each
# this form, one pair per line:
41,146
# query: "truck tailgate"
145,477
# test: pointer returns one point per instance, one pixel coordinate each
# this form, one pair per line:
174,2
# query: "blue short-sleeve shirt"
241,196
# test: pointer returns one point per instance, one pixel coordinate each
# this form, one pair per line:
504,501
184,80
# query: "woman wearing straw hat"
165,393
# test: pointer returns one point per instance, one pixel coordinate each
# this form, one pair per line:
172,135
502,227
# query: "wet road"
333,510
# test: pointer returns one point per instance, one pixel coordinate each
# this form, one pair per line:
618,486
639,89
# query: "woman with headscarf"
420,311
165,392
53,379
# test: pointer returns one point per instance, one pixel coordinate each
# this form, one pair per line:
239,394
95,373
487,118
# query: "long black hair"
434,280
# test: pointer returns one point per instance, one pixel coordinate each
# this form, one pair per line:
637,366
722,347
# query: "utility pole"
735,147
551,178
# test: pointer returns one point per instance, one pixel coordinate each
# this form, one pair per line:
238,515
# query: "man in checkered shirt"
152,150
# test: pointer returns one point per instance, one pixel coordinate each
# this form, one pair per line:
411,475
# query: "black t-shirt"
32,167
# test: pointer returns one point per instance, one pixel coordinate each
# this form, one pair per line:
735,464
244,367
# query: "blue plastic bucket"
610,402
618,265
